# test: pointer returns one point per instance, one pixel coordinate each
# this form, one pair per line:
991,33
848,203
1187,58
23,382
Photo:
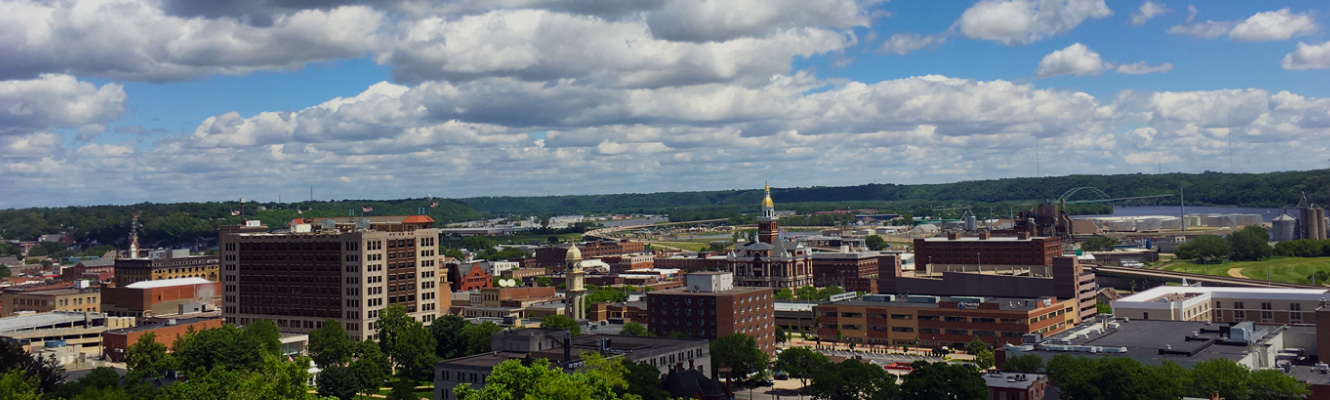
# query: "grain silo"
1284,227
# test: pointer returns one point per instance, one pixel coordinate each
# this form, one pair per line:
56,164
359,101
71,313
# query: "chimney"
567,351
1023,235
983,235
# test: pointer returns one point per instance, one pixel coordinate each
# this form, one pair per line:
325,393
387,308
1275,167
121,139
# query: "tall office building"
346,269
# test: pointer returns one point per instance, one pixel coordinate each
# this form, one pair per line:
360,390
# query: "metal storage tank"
970,223
1284,227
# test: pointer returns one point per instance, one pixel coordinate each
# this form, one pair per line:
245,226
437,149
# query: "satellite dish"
507,282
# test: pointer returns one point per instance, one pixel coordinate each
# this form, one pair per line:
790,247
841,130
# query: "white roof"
1226,292
167,283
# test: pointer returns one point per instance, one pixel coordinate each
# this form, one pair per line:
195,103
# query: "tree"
14,384
875,243
1099,243
455,253
544,281
1206,248
553,239
1217,375
1027,362
1269,384
4,271
371,367
806,293
329,345
264,334
929,381
801,363
739,352
852,380
644,381
1103,308
478,337
45,373
403,389
147,359
634,329
780,334
225,347
97,379
785,294
512,380
827,292
338,381
478,244
556,321
392,322
1251,243
983,356
449,337
274,379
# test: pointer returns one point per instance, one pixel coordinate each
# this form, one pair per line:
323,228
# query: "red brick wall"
114,344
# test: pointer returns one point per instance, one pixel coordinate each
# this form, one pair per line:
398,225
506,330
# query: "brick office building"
987,250
852,271
552,257
937,321
709,306
345,269
1064,279
472,278
116,342
161,297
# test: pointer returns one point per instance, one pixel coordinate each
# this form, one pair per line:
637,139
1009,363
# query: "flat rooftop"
1143,339
732,291
1228,292
167,283
147,326
34,321
1004,303
990,239
999,379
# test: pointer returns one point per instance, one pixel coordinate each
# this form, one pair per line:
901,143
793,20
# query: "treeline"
181,224
1274,189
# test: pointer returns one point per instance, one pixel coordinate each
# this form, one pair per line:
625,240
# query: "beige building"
82,330
165,264
343,269
1222,304
42,300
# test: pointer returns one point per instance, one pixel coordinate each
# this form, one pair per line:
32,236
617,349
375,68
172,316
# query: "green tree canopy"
544,281
644,381
852,380
740,353
1269,384
634,329
983,356
330,345
512,380
875,243
338,381
785,294
478,336
556,321
449,336
45,373
1251,243
1207,248
224,347
934,381
147,359
1028,362
265,334
801,363
371,367
1231,380
1099,243
14,384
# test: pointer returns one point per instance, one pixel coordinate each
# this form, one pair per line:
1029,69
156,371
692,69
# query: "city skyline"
125,101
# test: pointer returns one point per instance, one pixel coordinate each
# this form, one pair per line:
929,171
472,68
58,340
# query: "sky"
127,101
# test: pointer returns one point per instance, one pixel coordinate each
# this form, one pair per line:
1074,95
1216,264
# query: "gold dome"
766,202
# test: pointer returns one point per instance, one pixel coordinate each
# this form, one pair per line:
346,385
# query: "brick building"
471,279
161,298
1064,279
852,271
116,342
99,270
987,250
40,299
693,263
345,269
165,264
552,257
1016,385
1222,304
936,321
709,306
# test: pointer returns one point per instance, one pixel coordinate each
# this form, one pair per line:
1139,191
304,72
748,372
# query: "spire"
766,202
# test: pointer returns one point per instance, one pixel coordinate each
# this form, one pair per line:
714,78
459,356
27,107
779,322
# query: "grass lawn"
690,246
1282,269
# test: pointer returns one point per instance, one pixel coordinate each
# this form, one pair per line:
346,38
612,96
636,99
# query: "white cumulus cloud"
1282,24
1148,10
1140,68
1308,56
1026,21
1076,59
905,43
57,101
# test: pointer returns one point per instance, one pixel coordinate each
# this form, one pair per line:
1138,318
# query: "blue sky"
121,101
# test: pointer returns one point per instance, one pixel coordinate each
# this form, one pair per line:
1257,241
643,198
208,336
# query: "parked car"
781,375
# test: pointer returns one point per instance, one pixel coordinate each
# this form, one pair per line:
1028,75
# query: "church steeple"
768,230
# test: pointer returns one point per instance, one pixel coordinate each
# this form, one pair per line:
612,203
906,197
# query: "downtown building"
343,269
709,306
771,261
